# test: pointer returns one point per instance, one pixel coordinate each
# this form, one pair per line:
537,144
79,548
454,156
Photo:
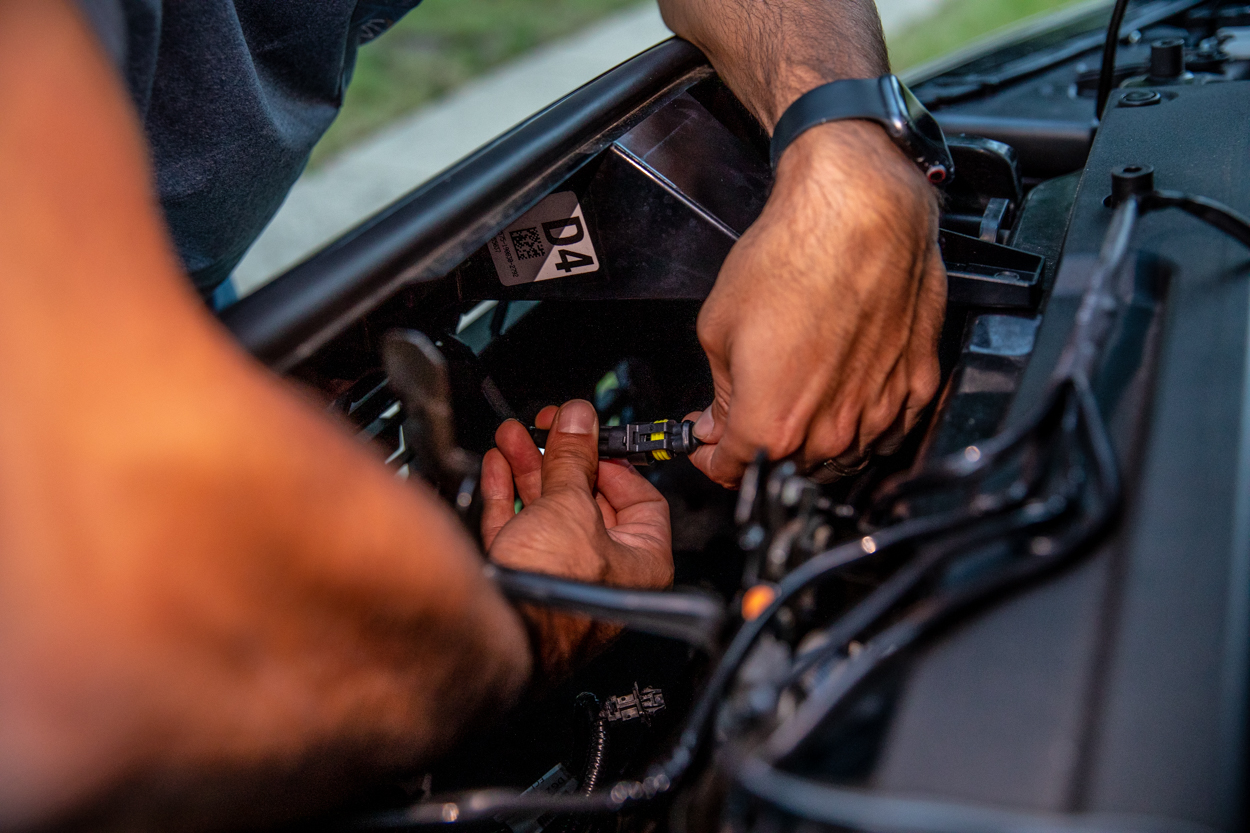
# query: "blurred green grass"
957,23
445,43
439,46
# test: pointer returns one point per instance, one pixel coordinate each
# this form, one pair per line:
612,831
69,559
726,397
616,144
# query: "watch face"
924,136
922,120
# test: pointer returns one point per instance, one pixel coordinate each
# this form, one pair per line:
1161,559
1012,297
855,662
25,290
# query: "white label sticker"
550,241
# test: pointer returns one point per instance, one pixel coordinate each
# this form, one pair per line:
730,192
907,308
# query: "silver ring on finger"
831,470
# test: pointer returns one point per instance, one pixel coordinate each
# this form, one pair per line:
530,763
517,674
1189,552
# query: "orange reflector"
756,600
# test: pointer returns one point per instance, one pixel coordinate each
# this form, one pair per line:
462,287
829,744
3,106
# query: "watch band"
884,100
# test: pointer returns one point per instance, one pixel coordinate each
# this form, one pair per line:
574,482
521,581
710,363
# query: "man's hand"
822,328
583,519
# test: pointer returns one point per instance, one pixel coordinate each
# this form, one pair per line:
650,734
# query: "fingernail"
576,417
703,428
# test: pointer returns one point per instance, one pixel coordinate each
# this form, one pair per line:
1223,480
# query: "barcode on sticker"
550,241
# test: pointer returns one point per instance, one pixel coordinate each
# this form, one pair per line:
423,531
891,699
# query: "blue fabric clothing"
233,94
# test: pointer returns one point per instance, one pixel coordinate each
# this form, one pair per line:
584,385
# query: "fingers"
624,488
926,374
726,461
892,439
740,420
709,427
882,412
498,501
545,417
742,437
606,510
640,521
767,412
873,400
724,455
710,424
701,457
848,427
571,459
523,457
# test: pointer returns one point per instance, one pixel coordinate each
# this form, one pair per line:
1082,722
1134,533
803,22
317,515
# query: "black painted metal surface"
1121,687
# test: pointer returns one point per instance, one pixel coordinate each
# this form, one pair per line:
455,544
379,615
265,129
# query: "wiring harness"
1041,494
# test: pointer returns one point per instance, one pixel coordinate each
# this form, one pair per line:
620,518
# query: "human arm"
212,601
822,328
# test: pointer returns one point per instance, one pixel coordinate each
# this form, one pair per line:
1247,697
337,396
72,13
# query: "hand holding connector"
641,443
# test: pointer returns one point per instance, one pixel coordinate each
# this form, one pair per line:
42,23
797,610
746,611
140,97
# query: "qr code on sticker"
526,243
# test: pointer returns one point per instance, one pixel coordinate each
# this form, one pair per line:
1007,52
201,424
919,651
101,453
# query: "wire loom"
1061,484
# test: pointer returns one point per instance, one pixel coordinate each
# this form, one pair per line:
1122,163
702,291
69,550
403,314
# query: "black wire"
484,805
692,616
819,568
956,470
481,805
596,742
931,613
1077,364
800,795
1209,211
907,579
1106,75
1070,389
1095,316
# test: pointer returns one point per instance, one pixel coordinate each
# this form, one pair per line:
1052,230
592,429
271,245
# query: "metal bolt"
1140,98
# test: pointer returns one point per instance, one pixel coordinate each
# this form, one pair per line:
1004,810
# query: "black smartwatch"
884,100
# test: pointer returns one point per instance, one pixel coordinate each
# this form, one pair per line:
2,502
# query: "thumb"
709,427
571,459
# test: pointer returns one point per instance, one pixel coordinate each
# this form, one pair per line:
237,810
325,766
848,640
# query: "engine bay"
1033,615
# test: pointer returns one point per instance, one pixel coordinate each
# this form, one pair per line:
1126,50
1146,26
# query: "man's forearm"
201,575
770,52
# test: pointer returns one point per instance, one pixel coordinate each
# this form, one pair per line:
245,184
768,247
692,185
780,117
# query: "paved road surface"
325,203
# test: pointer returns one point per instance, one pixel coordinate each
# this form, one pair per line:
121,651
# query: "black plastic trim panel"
429,231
